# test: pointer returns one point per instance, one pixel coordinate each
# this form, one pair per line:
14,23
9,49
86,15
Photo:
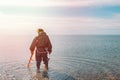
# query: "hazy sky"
60,16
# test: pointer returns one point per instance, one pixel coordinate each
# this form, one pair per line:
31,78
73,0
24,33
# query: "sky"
69,17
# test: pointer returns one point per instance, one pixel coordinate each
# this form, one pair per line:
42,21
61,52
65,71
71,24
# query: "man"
42,45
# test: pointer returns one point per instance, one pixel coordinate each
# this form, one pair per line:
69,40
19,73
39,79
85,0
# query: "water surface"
75,57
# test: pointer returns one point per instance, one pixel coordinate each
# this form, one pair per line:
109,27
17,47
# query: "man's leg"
45,60
38,60
38,64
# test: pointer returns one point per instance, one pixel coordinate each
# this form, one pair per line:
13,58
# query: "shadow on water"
60,76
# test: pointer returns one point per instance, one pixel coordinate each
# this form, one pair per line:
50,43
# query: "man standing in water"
42,45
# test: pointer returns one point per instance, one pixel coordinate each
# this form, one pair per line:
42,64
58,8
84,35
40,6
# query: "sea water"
74,57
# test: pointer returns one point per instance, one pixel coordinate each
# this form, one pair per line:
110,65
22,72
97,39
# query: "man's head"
40,30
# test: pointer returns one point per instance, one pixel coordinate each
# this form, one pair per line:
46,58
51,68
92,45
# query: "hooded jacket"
41,41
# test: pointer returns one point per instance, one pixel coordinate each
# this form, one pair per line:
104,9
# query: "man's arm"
49,46
32,46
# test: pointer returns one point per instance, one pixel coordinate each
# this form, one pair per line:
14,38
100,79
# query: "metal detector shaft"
28,65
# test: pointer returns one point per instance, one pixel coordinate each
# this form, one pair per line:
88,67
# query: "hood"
42,33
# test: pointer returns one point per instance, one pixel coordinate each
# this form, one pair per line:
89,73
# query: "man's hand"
32,52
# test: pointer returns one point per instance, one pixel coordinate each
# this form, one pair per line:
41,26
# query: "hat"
40,30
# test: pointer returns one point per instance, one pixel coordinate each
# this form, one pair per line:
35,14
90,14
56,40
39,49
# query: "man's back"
41,41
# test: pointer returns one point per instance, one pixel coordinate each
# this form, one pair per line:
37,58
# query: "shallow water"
73,58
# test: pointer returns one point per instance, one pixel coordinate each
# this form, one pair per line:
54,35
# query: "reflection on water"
73,58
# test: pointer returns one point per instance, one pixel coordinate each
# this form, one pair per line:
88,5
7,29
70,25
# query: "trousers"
41,56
